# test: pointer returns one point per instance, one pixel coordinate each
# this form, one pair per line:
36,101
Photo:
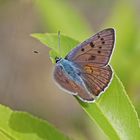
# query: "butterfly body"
71,70
85,71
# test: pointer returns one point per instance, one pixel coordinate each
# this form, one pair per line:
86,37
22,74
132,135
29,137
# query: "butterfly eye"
57,59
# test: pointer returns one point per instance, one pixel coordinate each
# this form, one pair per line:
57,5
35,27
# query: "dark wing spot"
91,44
92,57
99,51
82,49
57,59
98,36
100,47
103,42
102,39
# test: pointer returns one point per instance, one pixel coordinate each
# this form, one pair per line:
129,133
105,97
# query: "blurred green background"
26,82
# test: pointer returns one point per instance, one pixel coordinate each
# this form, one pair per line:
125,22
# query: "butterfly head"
57,59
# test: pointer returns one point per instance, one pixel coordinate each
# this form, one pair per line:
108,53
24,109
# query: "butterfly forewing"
95,50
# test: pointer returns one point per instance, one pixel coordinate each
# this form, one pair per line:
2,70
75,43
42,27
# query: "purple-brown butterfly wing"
71,86
96,79
96,50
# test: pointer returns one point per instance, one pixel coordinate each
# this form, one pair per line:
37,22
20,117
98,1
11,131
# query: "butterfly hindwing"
95,50
63,80
96,79
70,86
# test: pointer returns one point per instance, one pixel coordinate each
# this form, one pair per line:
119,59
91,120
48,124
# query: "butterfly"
85,72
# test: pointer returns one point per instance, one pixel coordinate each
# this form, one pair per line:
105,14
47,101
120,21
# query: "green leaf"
22,126
4,136
113,111
115,114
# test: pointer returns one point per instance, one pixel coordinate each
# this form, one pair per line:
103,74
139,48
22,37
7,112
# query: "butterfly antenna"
59,43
